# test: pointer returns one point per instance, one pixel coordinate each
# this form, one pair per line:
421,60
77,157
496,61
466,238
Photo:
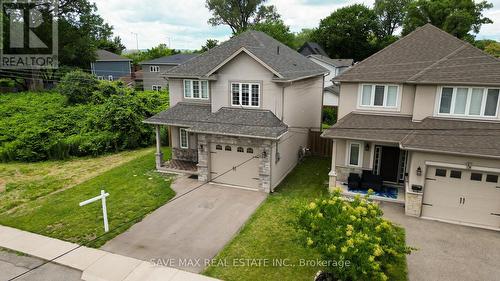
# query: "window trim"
250,84
110,77
154,68
200,82
384,107
100,77
181,130
360,155
158,87
467,105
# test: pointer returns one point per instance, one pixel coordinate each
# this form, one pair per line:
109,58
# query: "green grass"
135,190
269,233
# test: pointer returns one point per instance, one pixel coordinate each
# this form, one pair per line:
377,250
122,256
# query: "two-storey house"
241,112
422,117
153,70
110,66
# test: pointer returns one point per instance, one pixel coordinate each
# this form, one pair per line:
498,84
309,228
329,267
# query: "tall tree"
391,14
349,32
211,43
457,17
302,37
156,52
239,15
278,30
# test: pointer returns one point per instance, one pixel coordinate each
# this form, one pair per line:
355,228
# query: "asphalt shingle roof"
103,55
314,47
431,134
334,62
181,114
428,55
171,60
283,60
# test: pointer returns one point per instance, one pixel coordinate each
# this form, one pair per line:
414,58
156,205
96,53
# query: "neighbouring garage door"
225,157
463,196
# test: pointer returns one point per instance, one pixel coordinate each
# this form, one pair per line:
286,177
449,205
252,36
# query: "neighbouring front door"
389,163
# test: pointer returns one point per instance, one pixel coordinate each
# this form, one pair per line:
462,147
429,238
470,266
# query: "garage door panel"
461,199
227,167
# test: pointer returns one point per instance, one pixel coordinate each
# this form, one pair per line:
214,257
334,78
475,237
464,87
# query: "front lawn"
135,190
269,234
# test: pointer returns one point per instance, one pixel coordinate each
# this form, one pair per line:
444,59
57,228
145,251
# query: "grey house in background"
110,66
152,70
312,48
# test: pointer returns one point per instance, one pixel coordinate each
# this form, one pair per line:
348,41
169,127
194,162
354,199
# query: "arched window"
249,150
227,148
240,149
218,147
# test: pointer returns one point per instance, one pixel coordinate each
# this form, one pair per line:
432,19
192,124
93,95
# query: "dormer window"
468,102
245,94
196,89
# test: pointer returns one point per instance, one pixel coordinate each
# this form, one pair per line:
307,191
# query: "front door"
389,163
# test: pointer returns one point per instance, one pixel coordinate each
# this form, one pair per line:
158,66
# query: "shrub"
7,83
352,231
330,115
78,86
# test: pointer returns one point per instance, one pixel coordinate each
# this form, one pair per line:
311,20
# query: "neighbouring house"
110,66
241,112
419,123
153,70
335,67
312,48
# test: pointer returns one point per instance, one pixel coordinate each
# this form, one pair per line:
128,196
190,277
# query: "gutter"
237,135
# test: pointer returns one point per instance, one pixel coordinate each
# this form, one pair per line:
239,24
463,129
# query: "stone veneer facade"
264,146
185,154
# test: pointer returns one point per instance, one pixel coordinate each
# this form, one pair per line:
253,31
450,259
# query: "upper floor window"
245,94
379,96
154,68
196,89
468,102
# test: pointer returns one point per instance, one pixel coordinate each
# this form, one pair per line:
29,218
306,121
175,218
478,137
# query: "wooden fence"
319,146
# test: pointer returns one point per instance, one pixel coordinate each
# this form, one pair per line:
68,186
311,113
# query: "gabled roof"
464,137
428,55
333,62
284,62
253,123
103,55
171,60
313,48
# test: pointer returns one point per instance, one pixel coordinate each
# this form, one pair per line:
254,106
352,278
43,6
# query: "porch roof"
370,127
181,114
463,137
253,123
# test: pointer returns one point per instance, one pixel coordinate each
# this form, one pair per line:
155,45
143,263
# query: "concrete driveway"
190,229
447,251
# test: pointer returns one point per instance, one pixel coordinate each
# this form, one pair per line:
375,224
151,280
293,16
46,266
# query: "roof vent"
278,49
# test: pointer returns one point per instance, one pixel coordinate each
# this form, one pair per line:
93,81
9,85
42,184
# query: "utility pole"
168,40
136,39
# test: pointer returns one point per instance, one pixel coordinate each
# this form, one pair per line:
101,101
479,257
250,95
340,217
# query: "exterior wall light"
367,147
419,171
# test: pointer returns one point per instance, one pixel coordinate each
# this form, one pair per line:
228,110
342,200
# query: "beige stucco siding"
176,141
349,93
244,68
288,148
303,103
176,92
155,78
425,99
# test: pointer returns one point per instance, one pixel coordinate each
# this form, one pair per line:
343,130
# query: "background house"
153,70
419,122
110,66
312,48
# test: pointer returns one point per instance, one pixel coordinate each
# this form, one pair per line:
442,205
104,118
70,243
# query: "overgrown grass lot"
43,197
270,233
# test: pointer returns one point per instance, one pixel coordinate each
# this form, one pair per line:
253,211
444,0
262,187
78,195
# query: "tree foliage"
349,32
278,30
211,43
391,14
78,86
493,49
156,52
457,17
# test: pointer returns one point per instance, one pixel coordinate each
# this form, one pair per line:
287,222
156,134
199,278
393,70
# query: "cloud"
184,23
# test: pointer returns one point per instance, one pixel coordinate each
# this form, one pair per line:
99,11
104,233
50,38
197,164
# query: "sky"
182,24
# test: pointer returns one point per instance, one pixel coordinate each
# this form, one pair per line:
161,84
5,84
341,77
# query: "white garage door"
225,159
463,196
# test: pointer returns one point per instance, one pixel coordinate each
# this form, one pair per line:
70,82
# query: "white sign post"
101,197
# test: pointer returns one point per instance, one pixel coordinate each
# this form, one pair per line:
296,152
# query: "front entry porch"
184,160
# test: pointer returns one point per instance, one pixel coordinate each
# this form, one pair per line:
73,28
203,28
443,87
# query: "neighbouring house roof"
253,123
333,62
334,89
181,114
284,62
465,137
312,48
171,60
427,55
103,55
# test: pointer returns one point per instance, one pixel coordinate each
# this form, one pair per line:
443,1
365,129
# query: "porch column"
159,154
332,183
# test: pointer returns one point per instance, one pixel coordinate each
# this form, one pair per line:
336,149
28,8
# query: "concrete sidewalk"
96,265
